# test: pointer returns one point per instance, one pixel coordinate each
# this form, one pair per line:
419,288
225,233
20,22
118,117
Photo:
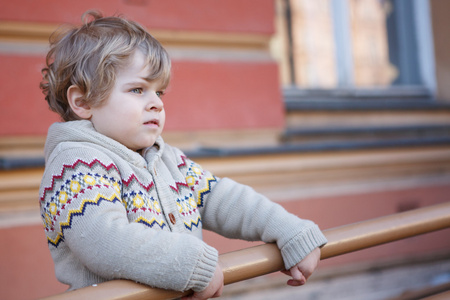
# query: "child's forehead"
138,58
137,63
138,69
151,66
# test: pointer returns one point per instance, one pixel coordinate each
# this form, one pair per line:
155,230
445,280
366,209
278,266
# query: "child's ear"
77,104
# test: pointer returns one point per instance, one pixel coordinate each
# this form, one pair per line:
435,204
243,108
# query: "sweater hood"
83,131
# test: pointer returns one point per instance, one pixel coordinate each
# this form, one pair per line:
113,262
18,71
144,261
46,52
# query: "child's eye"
137,91
160,94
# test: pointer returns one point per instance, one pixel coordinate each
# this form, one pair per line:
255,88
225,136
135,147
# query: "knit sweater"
112,213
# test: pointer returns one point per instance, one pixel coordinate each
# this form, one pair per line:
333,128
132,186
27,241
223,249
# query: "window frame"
410,38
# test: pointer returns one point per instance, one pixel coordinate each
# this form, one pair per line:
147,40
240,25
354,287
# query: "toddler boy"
119,203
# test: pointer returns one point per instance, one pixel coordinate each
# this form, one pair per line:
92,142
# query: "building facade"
338,110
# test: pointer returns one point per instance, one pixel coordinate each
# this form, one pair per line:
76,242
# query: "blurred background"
339,110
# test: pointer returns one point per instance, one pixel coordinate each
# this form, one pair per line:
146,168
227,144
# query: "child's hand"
213,290
301,271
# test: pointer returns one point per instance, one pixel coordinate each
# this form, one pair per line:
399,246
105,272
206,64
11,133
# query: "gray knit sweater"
112,213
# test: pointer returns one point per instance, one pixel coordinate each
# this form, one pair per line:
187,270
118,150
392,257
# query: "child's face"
134,113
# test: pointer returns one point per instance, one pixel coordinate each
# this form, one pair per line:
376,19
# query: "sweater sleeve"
85,217
237,211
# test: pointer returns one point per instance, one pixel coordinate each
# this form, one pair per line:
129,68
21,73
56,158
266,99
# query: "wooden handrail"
264,259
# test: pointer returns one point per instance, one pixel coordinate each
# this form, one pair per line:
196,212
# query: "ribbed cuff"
301,245
204,270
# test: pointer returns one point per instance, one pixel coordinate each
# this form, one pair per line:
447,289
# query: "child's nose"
154,102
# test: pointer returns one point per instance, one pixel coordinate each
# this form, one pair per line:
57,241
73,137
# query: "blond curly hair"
89,57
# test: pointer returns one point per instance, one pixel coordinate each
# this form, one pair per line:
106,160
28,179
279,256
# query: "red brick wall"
204,94
199,15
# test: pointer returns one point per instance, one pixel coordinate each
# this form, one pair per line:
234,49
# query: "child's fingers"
293,282
306,272
295,273
309,263
297,277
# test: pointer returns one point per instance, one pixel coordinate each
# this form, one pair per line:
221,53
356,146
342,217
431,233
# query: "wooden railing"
264,259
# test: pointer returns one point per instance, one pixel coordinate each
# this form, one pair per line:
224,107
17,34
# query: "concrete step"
425,133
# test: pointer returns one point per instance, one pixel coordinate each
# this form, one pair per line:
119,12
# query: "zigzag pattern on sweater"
134,178
70,190
205,191
180,166
177,186
150,223
195,178
183,163
72,167
68,187
193,223
79,212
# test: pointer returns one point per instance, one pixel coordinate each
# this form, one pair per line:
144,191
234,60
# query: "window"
381,46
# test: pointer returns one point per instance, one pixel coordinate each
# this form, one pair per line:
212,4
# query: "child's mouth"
152,122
